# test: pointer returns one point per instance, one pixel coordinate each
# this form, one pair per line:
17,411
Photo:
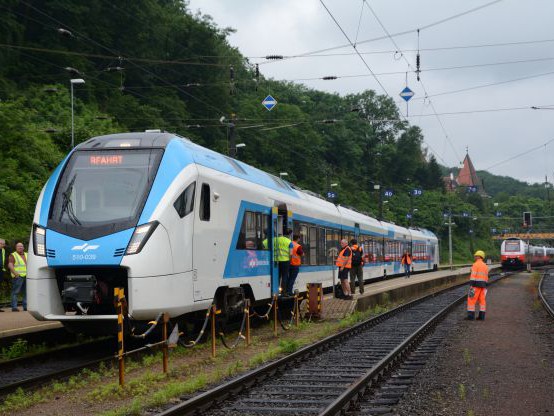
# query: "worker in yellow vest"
4,259
17,264
283,250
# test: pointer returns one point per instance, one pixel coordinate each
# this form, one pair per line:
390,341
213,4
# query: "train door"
274,233
281,222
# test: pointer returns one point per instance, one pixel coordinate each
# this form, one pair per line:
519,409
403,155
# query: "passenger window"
184,204
205,202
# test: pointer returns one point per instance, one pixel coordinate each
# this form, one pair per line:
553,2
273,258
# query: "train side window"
205,202
252,235
321,243
313,246
184,204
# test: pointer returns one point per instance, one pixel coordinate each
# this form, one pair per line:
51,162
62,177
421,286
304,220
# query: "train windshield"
511,246
103,191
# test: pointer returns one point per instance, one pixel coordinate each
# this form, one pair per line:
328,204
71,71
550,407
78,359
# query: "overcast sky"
290,27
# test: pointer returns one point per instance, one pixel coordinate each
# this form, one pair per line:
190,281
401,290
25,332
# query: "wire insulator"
329,78
273,57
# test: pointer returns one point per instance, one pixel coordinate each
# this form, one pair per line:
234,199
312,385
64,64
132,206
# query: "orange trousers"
477,294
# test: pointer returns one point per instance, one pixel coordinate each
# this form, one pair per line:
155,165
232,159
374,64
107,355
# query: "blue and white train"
178,225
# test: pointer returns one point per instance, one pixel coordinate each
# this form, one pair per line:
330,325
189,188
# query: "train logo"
85,247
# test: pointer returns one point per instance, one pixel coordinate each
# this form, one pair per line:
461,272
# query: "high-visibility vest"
479,274
3,259
406,259
344,261
19,266
295,259
282,248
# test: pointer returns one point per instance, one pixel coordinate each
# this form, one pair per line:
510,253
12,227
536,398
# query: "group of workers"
14,267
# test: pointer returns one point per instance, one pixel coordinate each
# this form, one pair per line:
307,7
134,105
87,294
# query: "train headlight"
140,237
39,240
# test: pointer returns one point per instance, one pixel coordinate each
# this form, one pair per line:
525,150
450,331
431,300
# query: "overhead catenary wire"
447,137
520,155
406,32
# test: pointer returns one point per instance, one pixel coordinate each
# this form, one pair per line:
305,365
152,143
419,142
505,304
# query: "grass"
462,391
152,388
467,356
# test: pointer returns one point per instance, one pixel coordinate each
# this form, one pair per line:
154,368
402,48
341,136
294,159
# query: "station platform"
18,323
379,292
393,289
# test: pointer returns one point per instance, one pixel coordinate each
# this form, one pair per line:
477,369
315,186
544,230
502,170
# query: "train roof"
217,161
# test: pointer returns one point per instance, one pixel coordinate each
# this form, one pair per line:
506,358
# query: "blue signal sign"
388,193
407,94
269,102
417,192
471,189
331,195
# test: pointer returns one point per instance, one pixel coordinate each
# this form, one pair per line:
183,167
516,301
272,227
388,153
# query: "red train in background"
515,253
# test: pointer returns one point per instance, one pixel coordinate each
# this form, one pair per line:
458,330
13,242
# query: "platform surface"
338,308
15,323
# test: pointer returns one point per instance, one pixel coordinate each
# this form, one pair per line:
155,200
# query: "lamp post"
377,188
450,224
72,82
237,147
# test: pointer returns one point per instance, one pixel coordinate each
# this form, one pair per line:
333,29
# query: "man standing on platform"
344,262
4,258
478,287
18,268
357,270
407,262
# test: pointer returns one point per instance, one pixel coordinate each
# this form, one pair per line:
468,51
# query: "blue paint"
98,252
247,263
175,159
49,192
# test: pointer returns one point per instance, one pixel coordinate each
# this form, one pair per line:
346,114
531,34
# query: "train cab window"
184,204
205,202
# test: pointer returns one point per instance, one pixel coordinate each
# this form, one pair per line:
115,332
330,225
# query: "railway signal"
527,220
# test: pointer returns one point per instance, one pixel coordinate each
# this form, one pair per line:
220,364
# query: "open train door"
281,220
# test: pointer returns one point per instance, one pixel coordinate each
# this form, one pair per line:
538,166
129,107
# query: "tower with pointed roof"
468,176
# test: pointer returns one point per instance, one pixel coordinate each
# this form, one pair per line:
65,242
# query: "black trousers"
284,270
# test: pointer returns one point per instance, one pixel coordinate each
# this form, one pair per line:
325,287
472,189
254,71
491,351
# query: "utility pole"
450,224
231,133
450,241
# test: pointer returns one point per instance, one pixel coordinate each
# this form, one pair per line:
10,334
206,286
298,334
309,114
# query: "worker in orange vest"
407,262
344,263
295,262
478,287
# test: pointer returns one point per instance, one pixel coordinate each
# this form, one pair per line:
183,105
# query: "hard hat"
479,253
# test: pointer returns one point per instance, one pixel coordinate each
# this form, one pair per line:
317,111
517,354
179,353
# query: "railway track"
546,290
331,376
37,370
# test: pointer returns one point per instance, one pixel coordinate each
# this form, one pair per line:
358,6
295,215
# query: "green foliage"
16,350
176,77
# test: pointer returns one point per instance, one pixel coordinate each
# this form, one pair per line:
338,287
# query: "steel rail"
241,383
357,390
549,306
